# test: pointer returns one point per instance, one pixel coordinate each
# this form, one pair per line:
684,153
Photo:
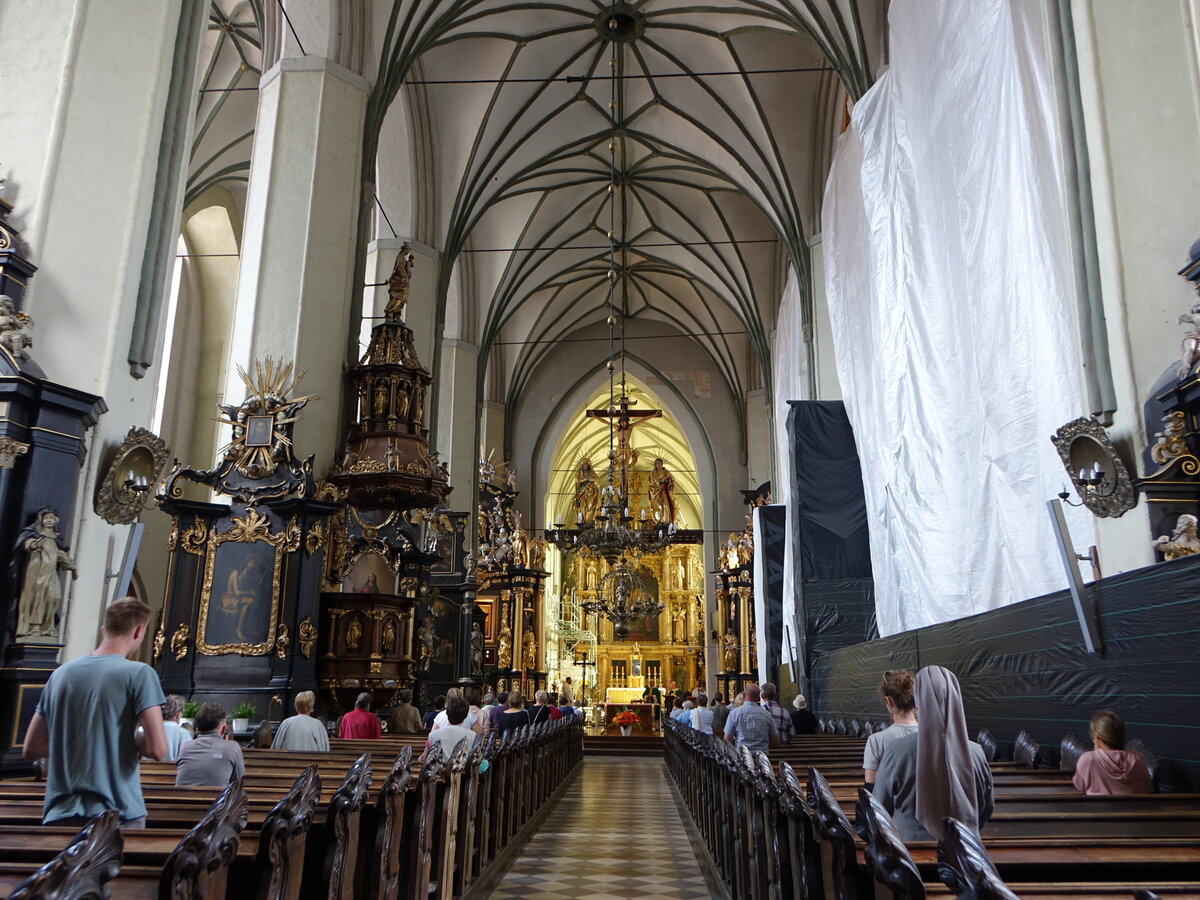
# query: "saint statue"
662,493
529,656
504,646
398,284
680,575
1183,540
520,543
476,650
729,655
537,553
41,587
402,399
680,625
381,399
586,502
389,636
353,634
425,638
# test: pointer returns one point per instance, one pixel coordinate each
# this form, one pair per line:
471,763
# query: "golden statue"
520,542
402,400
389,636
504,644
586,502
381,399
662,493
729,655
353,634
398,284
530,648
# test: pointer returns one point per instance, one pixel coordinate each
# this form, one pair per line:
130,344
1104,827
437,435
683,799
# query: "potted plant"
190,708
626,719
241,716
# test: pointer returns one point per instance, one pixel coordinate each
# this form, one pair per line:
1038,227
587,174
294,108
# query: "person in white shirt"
302,733
702,716
474,719
176,734
449,735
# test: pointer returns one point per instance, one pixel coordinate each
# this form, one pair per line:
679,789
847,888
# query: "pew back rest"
987,741
964,866
81,870
199,864
888,859
345,812
1070,749
1026,751
284,832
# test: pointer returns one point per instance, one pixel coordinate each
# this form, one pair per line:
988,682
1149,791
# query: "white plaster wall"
458,418
1138,78
83,87
821,349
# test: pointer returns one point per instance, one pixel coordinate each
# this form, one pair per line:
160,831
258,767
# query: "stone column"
457,425
295,283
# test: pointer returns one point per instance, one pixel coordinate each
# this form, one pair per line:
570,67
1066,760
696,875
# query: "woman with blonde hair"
1110,769
302,732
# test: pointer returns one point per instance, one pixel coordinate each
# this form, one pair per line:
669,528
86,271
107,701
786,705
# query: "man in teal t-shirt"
87,725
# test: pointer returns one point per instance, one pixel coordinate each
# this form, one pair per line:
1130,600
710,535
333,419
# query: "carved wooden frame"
1123,496
254,528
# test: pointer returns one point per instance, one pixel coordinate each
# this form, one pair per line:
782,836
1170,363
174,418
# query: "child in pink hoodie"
1110,768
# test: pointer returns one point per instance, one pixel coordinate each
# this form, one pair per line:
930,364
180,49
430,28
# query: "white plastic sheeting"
791,382
949,284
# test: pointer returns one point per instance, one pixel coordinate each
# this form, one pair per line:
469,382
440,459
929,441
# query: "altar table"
645,714
623,695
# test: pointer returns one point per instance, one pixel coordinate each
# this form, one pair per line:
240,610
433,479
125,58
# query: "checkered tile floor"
608,839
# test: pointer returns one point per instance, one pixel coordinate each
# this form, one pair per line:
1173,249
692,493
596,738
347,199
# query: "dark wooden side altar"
243,580
43,428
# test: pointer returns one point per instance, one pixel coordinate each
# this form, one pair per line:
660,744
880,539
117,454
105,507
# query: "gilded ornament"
1084,446
307,636
173,536
195,538
10,450
389,636
316,537
179,641
367,466
160,638
282,641
1172,440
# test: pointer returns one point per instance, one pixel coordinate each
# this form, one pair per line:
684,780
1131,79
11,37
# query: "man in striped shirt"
783,721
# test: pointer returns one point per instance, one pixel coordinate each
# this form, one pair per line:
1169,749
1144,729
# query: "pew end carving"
198,867
81,871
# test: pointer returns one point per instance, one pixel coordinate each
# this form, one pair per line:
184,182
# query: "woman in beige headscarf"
937,772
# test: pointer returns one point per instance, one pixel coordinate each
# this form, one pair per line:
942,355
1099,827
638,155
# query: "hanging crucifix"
622,420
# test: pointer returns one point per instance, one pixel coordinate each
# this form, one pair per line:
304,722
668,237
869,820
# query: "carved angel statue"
520,542
1189,350
586,502
398,284
41,586
537,553
510,479
662,493
1183,541
13,336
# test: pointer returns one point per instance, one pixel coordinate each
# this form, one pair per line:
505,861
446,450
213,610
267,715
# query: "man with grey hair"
751,725
176,733
783,722
360,723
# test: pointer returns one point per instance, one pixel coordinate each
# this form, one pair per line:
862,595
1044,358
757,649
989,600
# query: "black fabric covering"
770,544
1025,666
833,539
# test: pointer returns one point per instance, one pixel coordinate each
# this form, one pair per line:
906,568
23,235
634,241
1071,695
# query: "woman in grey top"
897,690
302,732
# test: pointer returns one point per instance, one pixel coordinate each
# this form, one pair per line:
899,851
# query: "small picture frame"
259,430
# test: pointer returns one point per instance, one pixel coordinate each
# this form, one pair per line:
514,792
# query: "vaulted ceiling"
712,123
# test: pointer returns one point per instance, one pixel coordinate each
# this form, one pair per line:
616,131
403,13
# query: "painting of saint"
240,601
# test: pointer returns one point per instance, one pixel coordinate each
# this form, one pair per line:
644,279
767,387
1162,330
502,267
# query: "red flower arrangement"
626,718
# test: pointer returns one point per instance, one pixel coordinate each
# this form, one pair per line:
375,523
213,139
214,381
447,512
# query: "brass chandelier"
623,597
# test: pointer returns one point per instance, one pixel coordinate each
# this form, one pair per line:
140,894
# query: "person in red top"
552,702
360,722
